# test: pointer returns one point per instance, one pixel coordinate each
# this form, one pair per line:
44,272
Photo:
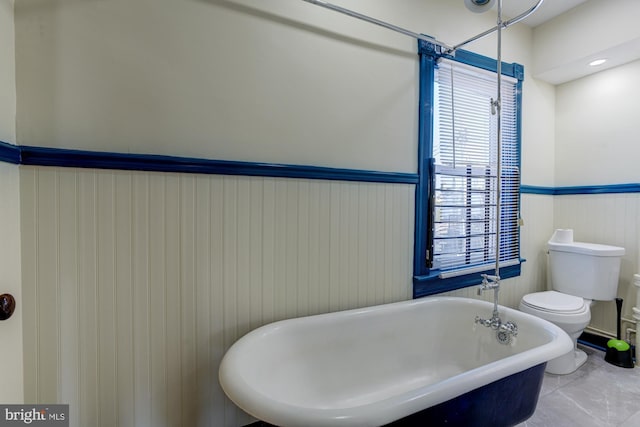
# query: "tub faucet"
490,283
504,331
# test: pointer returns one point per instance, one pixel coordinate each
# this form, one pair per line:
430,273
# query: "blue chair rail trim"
532,189
582,189
40,156
9,153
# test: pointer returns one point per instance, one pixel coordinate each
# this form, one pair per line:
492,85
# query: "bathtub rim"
387,410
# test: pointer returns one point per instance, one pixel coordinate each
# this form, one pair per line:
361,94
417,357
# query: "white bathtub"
372,366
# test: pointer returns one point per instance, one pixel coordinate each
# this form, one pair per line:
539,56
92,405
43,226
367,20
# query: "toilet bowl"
572,314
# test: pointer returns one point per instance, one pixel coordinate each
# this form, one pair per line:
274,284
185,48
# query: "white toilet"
581,273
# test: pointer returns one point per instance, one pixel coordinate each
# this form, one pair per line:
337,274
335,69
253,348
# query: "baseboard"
599,342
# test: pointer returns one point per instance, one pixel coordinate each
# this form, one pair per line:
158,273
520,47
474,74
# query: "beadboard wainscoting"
136,283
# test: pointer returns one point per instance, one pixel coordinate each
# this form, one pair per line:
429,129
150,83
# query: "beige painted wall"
11,390
597,128
7,73
280,81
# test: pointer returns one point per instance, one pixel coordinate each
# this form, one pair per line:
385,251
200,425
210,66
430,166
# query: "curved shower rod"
505,24
375,21
447,48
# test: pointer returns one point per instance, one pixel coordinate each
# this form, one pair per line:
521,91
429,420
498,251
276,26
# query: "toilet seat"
556,302
571,313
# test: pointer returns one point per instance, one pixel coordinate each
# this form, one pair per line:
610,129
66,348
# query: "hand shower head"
479,6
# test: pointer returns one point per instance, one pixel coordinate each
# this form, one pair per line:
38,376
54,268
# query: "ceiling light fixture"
597,62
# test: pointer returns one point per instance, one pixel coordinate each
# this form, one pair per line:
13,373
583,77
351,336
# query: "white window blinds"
465,152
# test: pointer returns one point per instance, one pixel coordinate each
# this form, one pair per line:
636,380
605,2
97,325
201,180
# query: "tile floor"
597,395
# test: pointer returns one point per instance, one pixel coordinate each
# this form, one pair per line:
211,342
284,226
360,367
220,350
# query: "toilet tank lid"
594,249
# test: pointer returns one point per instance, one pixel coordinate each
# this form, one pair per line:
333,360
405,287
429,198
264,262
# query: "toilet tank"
587,270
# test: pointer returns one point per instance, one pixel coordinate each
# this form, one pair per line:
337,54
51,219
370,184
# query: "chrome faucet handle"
510,328
496,323
488,282
506,332
489,278
483,322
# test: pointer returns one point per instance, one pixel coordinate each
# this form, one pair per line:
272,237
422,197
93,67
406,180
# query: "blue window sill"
431,283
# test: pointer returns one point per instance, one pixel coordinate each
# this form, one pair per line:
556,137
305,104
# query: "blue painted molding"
470,58
425,280
423,196
532,189
430,284
9,153
40,156
581,189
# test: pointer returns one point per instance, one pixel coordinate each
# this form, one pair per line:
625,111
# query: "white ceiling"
548,10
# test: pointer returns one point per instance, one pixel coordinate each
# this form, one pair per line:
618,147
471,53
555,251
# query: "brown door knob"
7,306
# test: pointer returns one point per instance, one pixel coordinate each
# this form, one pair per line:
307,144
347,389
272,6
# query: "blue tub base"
506,402
502,403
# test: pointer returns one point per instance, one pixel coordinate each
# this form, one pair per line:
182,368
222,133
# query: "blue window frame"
439,275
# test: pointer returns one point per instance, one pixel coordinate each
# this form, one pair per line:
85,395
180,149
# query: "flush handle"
7,306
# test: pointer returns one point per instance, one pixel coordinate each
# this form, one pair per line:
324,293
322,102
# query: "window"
456,199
